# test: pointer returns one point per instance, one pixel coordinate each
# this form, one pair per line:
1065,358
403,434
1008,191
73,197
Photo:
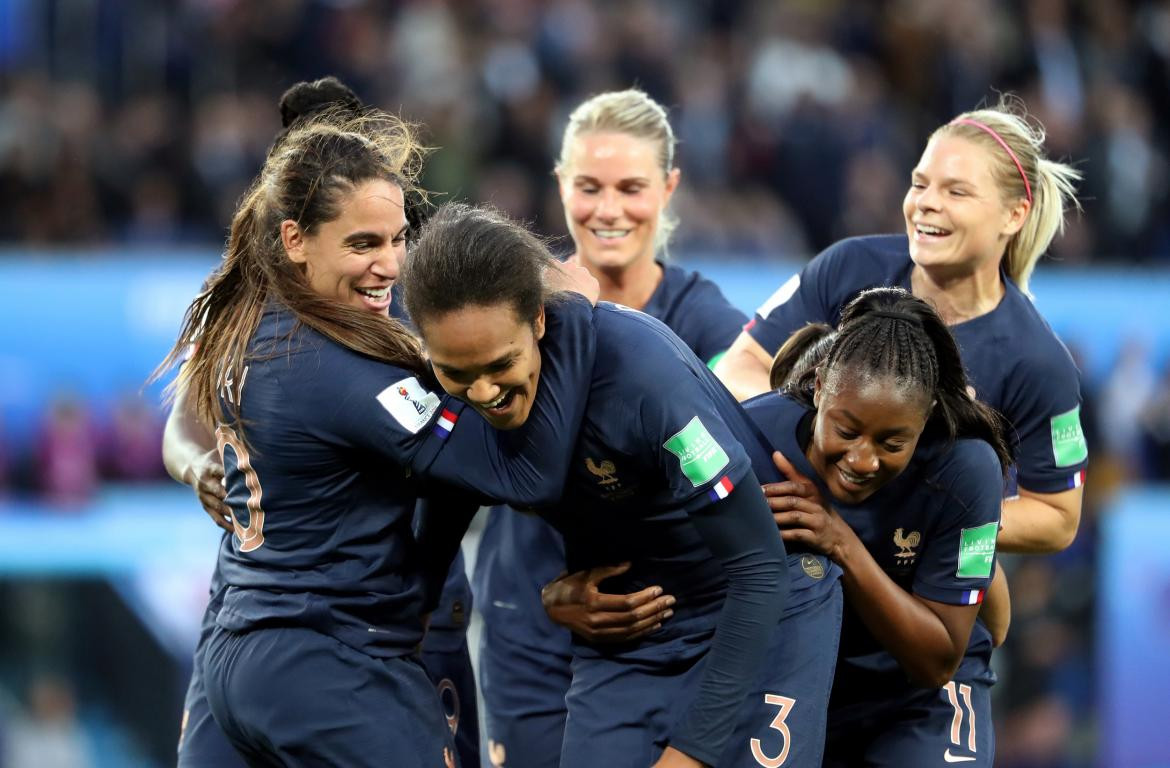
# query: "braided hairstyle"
888,332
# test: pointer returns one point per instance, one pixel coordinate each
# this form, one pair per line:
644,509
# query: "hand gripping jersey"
1015,362
322,478
932,530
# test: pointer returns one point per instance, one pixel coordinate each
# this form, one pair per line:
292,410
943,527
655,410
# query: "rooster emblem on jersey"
906,544
604,472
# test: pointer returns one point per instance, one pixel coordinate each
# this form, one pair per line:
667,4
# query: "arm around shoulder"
743,369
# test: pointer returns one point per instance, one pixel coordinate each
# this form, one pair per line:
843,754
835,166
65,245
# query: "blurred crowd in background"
138,123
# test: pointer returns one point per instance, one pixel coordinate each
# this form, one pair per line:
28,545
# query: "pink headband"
991,132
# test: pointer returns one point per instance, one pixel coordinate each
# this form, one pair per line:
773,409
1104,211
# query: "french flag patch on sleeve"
973,597
446,423
1077,480
721,489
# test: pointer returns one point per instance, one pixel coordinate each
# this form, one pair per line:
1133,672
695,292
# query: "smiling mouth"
377,294
860,481
501,403
926,230
611,234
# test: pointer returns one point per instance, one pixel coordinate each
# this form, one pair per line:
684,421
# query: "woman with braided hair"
895,474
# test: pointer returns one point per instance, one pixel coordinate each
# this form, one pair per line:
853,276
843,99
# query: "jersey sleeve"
809,296
958,555
528,466
712,323
1044,406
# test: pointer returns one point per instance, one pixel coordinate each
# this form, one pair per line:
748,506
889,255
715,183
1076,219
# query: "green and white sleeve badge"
700,454
977,551
1068,441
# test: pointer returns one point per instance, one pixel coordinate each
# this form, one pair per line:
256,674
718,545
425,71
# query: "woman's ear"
293,240
538,324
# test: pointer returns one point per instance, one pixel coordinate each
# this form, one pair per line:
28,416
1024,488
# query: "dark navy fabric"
952,724
202,743
781,720
653,481
523,691
1015,362
519,553
450,671
290,696
913,527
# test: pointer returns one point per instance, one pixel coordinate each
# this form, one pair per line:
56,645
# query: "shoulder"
966,463
1040,352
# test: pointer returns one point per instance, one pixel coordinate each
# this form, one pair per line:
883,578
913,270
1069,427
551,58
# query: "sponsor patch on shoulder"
1068,441
701,456
409,403
977,551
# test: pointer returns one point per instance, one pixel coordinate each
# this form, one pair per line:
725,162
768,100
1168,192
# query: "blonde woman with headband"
982,207
616,176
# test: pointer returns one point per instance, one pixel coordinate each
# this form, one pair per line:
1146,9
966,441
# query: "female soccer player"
327,436
895,473
616,175
982,207
661,478
191,456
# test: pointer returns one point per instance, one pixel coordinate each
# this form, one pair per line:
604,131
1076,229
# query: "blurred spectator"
48,734
131,447
66,455
1123,398
127,131
1155,431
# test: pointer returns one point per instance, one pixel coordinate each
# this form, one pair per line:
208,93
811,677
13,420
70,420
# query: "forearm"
185,439
1032,526
743,537
996,610
742,370
905,627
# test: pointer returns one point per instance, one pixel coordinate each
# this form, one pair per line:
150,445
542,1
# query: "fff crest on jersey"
605,472
906,544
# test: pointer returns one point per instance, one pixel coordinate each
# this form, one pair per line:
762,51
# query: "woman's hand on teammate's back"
572,276
575,601
205,475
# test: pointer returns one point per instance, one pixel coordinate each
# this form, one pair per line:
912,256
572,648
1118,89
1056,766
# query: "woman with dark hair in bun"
329,432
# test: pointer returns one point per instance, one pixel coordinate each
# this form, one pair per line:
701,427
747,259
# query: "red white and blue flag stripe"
973,597
1077,480
446,423
721,489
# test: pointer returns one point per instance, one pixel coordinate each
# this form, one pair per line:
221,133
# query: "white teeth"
374,293
855,479
495,403
930,230
607,233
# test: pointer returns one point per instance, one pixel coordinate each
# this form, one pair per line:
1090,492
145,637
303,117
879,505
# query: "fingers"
625,625
635,601
789,488
784,465
795,503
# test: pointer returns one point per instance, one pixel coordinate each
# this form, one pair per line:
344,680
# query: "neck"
958,296
632,285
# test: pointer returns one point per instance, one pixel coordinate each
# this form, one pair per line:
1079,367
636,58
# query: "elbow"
1068,532
932,672
998,635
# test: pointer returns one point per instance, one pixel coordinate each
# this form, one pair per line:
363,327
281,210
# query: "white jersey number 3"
778,723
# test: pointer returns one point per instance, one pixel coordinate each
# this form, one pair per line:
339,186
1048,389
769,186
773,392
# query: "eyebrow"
585,177
353,237
498,362
947,181
890,433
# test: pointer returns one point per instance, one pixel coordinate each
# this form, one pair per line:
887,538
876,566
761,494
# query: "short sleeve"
697,455
806,297
712,323
958,554
1044,405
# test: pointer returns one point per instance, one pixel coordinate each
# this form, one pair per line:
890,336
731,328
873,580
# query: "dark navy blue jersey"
520,553
322,477
1015,362
932,529
653,481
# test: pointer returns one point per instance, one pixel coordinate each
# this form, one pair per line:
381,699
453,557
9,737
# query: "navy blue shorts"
918,727
294,697
202,743
451,673
621,713
523,693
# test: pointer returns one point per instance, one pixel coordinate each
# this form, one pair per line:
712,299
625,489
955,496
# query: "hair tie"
895,315
991,132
